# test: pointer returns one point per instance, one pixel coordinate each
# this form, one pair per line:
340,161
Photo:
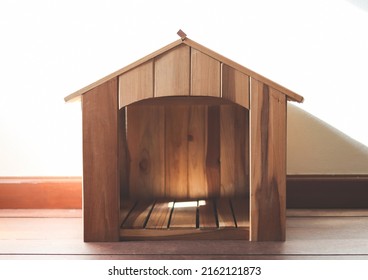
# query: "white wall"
49,49
315,147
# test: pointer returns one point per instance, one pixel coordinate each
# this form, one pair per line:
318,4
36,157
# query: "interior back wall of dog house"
305,46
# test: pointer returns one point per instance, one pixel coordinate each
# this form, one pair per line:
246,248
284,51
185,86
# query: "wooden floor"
57,234
198,219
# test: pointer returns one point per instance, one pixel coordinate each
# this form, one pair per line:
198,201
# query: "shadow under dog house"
184,144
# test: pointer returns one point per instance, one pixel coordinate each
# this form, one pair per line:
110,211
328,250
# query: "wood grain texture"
124,158
160,216
205,75
197,151
146,146
207,215
165,219
185,100
224,213
76,95
235,86
290,94
139,215
100,163
176,153
136,84
189,234
240,208
126,206
172,72
184,216
234,150
309,237
268,163
213,152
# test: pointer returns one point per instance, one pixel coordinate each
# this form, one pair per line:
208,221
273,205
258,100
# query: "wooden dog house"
184,143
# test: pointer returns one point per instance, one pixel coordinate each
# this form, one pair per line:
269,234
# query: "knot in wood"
144,165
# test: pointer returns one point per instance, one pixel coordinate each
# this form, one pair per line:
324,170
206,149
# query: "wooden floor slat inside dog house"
203,219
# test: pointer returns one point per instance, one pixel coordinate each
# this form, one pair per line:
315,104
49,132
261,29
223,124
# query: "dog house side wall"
267,163
101,199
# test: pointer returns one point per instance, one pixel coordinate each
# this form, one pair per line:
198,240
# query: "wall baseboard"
40,192
303,191
327,191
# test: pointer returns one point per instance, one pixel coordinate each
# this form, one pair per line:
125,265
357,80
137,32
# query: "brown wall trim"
40,192
327,191
303,191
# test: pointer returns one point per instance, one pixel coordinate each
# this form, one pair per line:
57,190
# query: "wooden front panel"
187,151
205,75
145,142
100,163
172,72
136,84
235,86
268,163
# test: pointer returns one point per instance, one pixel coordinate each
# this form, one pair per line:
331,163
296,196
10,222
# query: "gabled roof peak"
182,34
194,45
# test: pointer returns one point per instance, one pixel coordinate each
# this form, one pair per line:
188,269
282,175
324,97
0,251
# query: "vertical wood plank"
146,146
234,151
205,75
268,163
235,86
242,125
213,152
172,72
176,151
227,150
136,84
100,163
241,151
197,147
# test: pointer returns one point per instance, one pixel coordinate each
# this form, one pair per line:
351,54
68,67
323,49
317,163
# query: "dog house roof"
189,44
